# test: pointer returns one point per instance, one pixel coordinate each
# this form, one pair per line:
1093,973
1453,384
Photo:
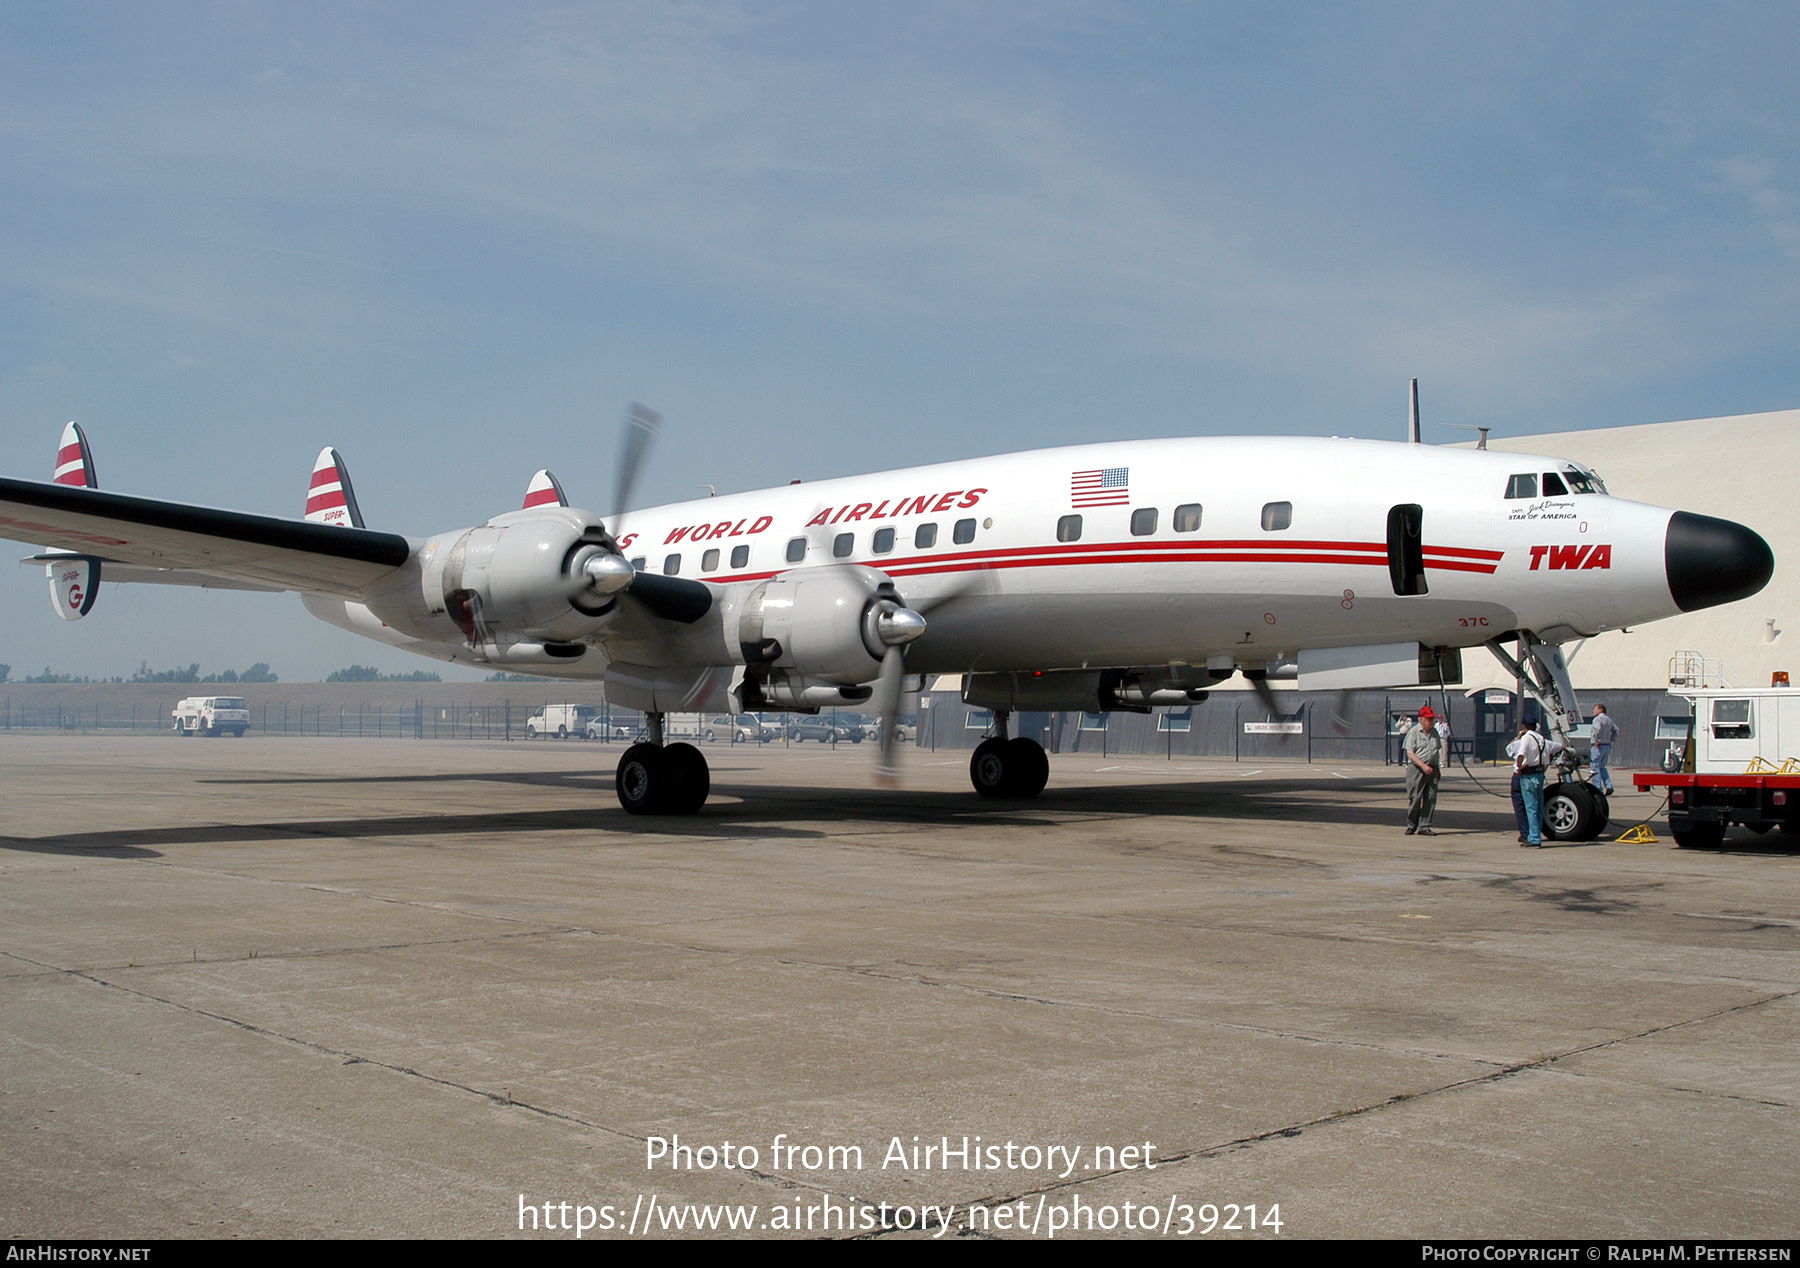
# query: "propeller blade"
887,707
1266,694
642,425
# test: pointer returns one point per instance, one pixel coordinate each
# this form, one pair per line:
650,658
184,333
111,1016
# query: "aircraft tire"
1569,813
1696,834
989,768
1029,766
1596,813
641,779
691,779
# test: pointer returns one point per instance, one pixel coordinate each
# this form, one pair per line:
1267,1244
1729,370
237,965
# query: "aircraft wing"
149,540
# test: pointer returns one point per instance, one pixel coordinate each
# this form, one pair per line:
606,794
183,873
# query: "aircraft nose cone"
1713,561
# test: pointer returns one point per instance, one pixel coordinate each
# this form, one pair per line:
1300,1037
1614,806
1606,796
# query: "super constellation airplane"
1120,575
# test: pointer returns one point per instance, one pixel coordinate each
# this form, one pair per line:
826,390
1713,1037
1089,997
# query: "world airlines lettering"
1572,556
930,504
725,528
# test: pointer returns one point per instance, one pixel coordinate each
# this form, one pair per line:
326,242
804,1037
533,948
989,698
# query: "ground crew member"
1605,732
1528,762
1424,749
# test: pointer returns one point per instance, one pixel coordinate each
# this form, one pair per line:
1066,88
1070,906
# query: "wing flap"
262,550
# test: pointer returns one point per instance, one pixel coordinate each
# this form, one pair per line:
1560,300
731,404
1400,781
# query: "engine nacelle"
817,624
523,576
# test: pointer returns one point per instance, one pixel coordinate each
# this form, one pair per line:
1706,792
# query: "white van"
561,720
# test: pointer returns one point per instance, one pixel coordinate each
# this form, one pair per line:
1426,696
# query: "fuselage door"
1406,548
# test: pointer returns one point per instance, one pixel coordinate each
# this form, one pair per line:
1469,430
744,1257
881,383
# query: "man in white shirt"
1605,732
1530,752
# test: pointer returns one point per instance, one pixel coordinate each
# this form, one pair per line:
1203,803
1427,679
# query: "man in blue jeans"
1605,732
1528,764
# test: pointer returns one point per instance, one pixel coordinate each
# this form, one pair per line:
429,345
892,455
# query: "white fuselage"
1027,591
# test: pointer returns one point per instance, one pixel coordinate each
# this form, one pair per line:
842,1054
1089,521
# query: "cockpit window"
1553,486
1522,486
1583,481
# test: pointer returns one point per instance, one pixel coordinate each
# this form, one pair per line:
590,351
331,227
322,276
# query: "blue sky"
455,240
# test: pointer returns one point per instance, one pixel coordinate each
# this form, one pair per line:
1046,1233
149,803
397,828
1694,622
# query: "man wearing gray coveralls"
1424,751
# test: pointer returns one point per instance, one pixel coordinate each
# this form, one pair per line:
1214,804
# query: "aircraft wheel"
1569,813
690,781
1029,766
989,767
1597,810
641,779
1696,834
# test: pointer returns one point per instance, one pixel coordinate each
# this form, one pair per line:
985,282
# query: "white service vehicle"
211,715
561,720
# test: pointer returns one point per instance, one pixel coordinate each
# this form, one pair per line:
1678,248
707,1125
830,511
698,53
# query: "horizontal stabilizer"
233,545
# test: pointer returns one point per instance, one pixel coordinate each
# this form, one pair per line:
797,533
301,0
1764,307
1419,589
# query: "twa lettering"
1572,556
725,528
930,504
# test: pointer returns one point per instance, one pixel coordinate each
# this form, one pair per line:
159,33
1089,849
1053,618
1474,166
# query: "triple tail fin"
74,460
330,499
544,490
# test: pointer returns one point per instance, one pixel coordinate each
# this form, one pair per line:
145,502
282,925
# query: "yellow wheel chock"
1640,835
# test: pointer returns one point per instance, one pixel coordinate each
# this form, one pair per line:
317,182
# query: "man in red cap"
1424,750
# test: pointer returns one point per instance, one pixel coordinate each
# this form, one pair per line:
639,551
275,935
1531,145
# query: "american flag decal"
1107,486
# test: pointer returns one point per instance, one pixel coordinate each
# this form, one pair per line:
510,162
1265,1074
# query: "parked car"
827,729
600,729
742,728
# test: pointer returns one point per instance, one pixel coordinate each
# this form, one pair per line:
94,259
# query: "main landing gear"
662,779
1012,769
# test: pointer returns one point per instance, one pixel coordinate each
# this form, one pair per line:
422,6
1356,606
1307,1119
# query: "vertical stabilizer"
330,499
74,460
544,490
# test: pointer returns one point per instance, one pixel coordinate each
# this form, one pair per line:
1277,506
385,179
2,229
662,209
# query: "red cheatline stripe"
542,497
1466,552
1361,554
325,501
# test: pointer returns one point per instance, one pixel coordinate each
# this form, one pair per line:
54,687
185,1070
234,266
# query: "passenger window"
842,545
709,562
1143,521
1553,486
637,564
1277,516
964,532
671,565
1522,486
1068,528
1187,518
796,550
740,555
925,537
883,542
1731,720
